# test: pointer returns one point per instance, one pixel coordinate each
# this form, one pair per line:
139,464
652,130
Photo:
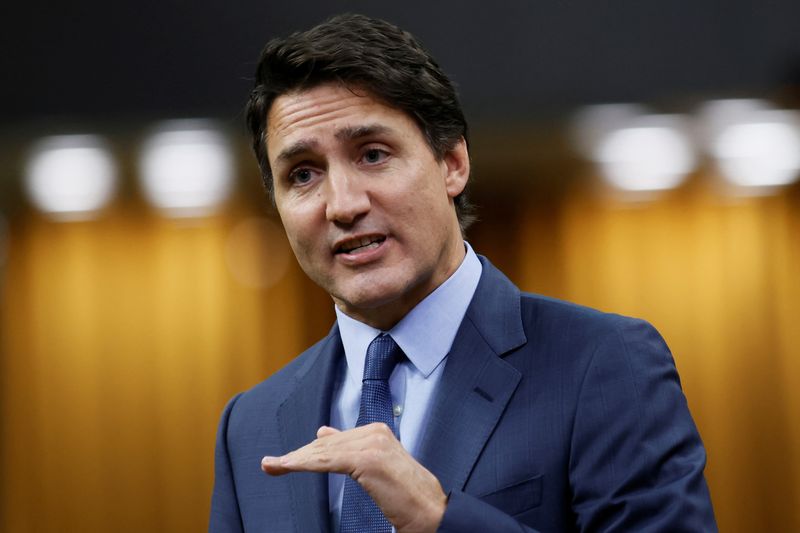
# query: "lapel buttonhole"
483,394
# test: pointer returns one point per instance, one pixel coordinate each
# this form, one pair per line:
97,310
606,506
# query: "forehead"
327,109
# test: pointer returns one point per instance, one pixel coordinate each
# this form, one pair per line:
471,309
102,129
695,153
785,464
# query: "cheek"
297,219
298,236
302,241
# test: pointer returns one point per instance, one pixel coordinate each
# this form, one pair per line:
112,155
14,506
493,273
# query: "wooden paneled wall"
122,340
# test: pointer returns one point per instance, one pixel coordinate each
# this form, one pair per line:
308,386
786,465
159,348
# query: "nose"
347,198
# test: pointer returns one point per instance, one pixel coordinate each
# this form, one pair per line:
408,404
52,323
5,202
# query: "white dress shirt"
425,335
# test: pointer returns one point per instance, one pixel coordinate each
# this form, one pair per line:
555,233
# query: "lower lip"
363,257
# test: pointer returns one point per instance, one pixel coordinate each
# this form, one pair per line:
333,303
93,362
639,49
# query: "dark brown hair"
364,54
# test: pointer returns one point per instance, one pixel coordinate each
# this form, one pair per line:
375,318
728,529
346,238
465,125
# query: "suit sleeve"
225,515
636,459
467,514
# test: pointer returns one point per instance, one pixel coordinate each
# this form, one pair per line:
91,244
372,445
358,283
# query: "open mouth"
361,244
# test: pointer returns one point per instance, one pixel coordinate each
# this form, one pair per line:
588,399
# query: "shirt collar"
427,332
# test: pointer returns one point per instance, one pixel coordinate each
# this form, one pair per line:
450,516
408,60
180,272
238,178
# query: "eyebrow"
357,132
294,150
347,134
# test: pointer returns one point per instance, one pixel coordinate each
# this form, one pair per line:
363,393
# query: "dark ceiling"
109,60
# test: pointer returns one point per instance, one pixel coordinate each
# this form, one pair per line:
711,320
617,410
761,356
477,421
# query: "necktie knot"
382,356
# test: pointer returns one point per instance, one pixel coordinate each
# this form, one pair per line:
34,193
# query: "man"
442,399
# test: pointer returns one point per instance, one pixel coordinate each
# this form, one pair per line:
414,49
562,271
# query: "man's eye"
301,176
374,155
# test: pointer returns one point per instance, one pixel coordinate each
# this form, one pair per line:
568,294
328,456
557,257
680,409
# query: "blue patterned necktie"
360,514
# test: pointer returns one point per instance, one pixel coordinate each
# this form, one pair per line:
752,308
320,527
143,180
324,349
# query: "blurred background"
637,157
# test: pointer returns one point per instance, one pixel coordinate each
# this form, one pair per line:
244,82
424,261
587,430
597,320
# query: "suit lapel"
305,409
476,384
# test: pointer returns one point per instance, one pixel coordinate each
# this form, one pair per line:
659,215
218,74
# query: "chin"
358,299
367,301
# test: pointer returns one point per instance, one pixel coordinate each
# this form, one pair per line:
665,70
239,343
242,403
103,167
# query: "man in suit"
443,398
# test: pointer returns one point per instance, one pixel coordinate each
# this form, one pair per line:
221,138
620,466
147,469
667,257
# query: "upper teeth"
351,245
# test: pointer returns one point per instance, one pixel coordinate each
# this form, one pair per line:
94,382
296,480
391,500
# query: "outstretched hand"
407,493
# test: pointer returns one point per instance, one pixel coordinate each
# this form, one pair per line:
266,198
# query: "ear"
456,164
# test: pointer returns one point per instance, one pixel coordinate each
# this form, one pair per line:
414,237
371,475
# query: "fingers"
278,466
273,466
325,431
334,451
408,494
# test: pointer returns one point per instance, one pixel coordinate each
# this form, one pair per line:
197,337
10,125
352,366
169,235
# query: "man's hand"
410,496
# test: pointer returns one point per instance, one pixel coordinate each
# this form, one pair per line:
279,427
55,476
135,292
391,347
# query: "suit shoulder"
544,312
578,341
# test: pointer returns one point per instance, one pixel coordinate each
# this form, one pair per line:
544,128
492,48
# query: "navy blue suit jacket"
549,417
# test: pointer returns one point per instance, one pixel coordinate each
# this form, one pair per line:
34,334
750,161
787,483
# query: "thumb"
324,431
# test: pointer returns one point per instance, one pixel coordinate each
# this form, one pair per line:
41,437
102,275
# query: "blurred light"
257,253
756,148
70,177
717,115
647,153
594,123
187,169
